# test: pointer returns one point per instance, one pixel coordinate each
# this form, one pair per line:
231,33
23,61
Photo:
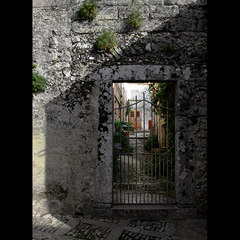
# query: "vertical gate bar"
120,131
123,174
167,151
148,170
167,178
171,178
117,179
140,163
144,169
128,178
152,178
115,176
159,131
159,177
113,129
124,180
151,151
136,148
128,153
120,179
163,179
155,178
144,147
148,157
132,178
167,127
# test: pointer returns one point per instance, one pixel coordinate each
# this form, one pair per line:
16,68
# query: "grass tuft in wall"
88,9
38,83
107,40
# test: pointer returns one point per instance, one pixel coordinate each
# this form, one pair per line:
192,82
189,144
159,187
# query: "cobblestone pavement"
66,227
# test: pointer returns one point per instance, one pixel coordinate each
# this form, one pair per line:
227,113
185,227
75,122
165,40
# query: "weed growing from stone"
168,48
107,40
88,10
38,83
136,18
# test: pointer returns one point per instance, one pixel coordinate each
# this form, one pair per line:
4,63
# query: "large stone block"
107,13
185,168
164,11
181,24
180,2
125,11
96,26
114,2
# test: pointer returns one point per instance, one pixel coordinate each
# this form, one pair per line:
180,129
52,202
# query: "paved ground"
66,227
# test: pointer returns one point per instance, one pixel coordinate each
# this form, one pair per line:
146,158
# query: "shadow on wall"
76,117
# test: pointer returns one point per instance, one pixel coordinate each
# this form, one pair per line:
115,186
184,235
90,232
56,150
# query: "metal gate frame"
143,195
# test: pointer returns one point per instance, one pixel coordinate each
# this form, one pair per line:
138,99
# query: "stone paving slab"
66,227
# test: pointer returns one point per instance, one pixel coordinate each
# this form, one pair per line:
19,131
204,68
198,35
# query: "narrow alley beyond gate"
138,179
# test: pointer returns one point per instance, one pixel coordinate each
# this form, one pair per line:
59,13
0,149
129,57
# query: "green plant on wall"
168,48
88,9
38,83
136,18
107,40
165,93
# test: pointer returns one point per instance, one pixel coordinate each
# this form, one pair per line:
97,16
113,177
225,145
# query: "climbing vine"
163,93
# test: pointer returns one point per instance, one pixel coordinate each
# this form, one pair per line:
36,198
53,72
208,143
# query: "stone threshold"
146,212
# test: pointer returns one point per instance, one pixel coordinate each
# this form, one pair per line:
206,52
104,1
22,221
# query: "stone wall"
72,118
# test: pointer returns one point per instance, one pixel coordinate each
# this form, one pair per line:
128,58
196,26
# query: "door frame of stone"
184,178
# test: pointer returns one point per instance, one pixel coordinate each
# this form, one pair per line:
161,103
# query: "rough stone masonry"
72,118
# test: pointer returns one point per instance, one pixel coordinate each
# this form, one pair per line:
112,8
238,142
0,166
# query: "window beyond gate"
135,118
143,166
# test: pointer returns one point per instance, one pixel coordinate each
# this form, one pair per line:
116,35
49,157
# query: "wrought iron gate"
142,175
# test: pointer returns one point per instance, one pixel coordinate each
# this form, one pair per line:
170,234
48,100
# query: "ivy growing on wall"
163,93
